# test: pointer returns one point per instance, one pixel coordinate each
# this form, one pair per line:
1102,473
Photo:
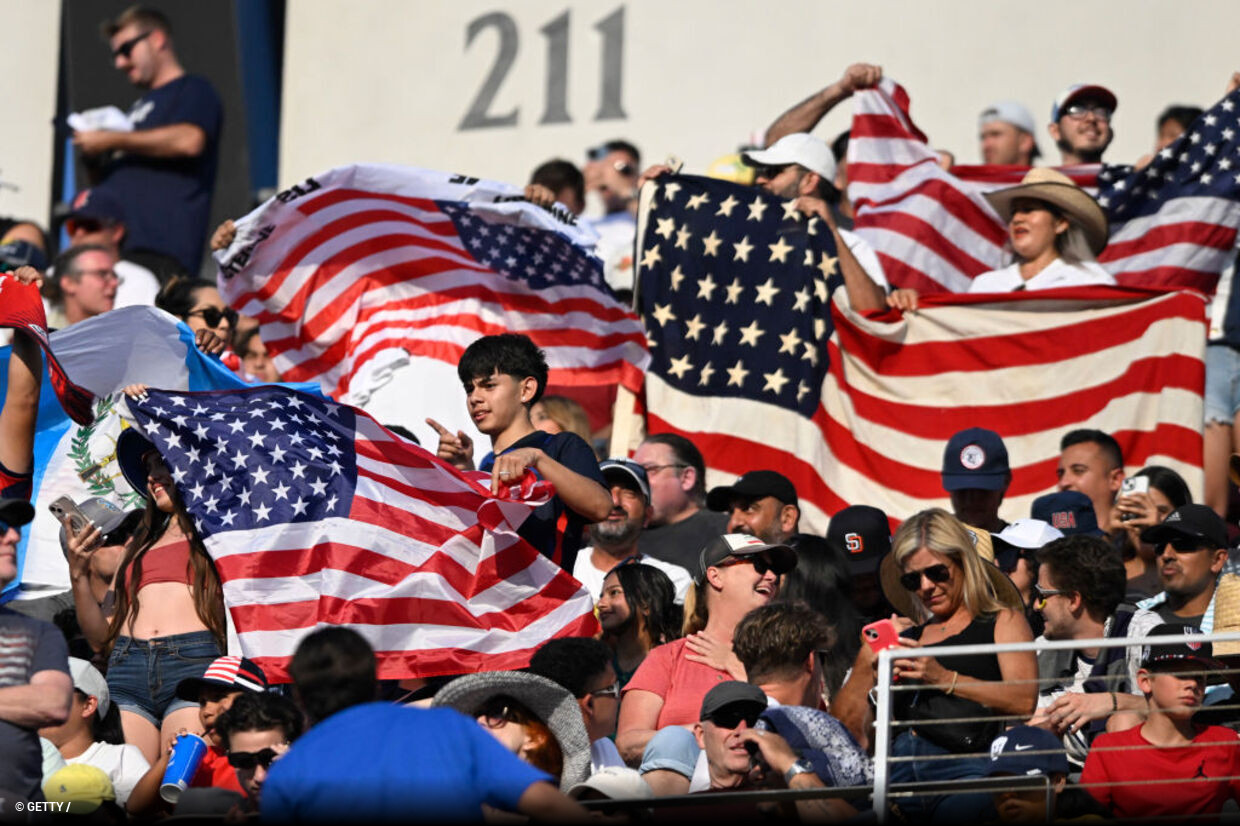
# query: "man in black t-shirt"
164,170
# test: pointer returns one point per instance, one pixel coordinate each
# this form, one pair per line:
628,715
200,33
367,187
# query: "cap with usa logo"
1178,655
232,672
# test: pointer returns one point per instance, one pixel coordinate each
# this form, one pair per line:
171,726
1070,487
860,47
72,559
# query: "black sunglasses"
249,760
4,527
1186,545
761,564
126,48
212,316
935,573
769,171
732,717
119,536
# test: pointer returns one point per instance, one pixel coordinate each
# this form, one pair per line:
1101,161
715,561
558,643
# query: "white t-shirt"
1058,273
125,765
591,577
138,286
616,233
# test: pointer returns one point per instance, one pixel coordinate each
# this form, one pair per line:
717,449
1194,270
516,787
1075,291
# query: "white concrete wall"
28,64
390,80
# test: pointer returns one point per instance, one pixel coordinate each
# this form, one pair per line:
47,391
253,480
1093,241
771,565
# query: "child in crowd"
504,376
1169,766
257,730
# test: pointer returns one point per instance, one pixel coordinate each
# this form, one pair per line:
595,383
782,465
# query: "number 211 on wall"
611,66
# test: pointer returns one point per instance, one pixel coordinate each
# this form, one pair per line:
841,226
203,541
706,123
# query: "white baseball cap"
88,680
800,148
1029,533
1008,111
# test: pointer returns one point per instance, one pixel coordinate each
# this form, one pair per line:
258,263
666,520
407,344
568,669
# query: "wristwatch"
799,767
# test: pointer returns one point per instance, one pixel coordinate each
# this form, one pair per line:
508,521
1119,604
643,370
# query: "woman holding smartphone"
1146,498
166,622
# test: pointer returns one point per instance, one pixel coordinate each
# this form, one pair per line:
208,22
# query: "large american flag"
315,515
361,267
753,362
1173,224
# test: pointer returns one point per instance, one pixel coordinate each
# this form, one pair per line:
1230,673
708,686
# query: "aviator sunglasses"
937,574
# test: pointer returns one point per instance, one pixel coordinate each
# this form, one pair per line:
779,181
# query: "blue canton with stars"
537,257
734,290
1203,162
254,458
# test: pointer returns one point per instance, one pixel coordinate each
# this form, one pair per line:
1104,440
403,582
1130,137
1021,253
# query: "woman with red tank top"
164,617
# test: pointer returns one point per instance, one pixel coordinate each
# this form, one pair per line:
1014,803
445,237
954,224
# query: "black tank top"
980,631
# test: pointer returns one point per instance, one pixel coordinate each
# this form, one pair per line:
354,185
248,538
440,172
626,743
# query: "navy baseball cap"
626,473
97,204
1026,751
1067,511
975,459
862,535
1174,656
755,484
16,254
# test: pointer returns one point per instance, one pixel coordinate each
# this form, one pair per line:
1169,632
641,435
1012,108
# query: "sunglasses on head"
212,316
732,717
126,48
935,573
249,760
761,564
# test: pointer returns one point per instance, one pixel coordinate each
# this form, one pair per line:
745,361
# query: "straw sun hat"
1057,189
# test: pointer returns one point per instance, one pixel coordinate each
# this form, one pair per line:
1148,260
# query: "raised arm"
805,115
21,401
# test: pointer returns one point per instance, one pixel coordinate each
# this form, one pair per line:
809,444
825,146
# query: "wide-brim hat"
1057,189
550,702
908,605
130,448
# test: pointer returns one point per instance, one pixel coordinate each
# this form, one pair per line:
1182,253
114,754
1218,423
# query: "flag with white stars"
1173,223
369,278
315,515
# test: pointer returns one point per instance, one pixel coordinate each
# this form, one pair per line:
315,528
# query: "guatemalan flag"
78,458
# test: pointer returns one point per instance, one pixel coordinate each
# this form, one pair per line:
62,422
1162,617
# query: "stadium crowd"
736,653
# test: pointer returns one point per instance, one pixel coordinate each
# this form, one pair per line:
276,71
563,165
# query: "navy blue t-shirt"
168,200
379,762
555,530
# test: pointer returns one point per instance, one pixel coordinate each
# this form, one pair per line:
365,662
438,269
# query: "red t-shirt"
681,683
215,772
1132,763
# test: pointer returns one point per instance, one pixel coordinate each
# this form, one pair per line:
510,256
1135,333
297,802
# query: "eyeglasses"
1044,594
937,574
612,690
75,225
732,717
652,469
126,48
1081,110
1184,545
107,274
761,564
212,316
5,526
249,760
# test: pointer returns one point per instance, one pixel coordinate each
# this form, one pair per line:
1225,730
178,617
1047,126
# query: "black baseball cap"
862,534
1197,522
1200,654
742,544
975,459
16,512
730,693
753,485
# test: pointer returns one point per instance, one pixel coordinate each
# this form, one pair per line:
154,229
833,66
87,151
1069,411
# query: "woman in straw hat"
935,576
1055,232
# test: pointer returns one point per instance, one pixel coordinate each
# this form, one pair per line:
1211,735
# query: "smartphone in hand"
63,506
881,634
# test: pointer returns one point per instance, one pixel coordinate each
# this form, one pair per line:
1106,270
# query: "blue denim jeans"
143,674
971,807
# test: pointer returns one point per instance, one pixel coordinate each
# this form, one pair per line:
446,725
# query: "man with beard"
614,540
1081,123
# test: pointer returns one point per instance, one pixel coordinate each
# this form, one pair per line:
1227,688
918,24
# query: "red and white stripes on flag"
360,267
1030,366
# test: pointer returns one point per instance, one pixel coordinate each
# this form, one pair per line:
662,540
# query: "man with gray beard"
614,540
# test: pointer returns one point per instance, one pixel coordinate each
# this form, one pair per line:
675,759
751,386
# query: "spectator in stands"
84,285
1192,550
960,599
820,581
197,302
614,540
1081,123
23,244
1024,752
1134,512
1091,462
164,170
533,717
255,361
762,503
504,376
35,687
92,568
1080,595
256,730
781,647
83,792
167,596
976,476
92,734
1015,553
354,763
583,666
564,179
98,218
1006,132
1132,772
611,181
225,679
560,414
679,524
637,610
1068,511
740,573
862,534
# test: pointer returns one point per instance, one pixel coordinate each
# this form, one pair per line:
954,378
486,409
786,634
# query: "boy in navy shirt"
503,376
